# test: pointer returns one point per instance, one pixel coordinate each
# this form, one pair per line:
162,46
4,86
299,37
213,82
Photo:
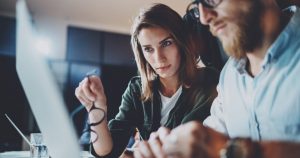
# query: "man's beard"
249,33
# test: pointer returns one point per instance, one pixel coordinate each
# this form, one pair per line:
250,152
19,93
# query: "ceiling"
111,13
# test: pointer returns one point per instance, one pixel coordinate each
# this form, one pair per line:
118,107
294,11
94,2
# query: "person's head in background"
206,46
243,26
162,48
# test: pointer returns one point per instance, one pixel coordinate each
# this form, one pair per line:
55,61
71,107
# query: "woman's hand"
153,147
90,90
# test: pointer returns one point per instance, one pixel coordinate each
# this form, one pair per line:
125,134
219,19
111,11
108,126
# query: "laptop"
42,91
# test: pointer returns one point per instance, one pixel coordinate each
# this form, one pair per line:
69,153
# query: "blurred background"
77,36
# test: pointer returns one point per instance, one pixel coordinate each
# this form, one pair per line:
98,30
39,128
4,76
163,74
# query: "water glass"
37,148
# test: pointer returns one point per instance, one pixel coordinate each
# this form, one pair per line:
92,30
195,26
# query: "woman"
170,90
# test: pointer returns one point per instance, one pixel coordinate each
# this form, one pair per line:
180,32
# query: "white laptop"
42,91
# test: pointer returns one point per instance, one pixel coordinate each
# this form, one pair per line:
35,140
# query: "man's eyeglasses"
209,3
193,12
193,9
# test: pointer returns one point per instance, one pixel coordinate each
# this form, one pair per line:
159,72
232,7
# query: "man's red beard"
249,33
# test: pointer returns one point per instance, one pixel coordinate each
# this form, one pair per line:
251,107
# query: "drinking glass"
37,148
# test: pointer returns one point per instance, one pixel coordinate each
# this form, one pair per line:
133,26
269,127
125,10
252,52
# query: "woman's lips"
163,67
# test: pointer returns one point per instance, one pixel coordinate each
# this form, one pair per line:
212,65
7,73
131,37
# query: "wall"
56,30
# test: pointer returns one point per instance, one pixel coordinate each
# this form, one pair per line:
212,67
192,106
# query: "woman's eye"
166,43
148,49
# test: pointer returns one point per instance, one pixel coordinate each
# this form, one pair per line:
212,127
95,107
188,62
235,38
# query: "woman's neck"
168,87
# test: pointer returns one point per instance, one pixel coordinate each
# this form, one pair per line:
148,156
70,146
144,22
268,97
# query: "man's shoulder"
230,65
230,70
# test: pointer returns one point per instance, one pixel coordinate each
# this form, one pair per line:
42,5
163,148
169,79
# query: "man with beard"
257,111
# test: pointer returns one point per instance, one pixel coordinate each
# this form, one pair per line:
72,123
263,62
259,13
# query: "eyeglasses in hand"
98,116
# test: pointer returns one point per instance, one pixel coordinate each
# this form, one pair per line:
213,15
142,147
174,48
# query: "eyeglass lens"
209,3
93,136
98,116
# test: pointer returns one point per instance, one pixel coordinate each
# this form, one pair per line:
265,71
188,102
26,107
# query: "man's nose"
206,14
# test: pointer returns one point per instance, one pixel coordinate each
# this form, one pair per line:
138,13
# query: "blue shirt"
266,107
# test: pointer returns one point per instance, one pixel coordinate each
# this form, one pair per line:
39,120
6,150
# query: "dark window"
117,50
84,45
7,36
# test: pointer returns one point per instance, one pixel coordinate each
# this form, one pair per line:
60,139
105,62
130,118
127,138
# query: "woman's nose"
159,55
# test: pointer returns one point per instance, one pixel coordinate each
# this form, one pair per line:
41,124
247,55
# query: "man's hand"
193,140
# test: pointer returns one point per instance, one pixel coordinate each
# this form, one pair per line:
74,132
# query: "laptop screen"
42,90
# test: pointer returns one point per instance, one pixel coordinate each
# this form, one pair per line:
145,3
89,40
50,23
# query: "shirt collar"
240,65
284,39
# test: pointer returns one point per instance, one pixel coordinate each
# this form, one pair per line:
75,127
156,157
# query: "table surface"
26,154
16,154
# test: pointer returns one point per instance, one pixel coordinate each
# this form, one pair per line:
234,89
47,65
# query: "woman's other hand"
90,90
153,147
